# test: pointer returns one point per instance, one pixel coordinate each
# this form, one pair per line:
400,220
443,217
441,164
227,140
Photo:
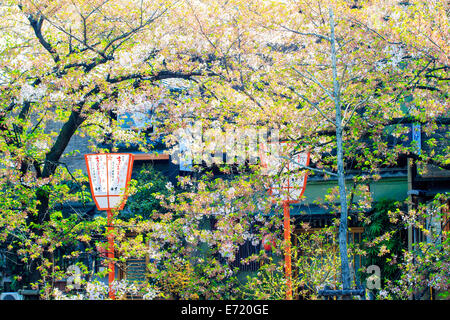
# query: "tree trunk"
343,226
51,163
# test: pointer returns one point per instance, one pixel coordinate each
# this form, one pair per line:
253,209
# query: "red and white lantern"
268,242
290,184
288,187
109,174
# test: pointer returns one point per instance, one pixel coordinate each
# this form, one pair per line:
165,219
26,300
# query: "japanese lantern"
268,242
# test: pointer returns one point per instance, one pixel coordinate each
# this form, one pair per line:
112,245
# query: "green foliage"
315,264
425,268
194,279
246,66
268,284
382,240
151,187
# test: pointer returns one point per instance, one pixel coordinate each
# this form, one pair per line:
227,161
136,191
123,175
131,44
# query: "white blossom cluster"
227,250
395,55
92,291
31,93
99,291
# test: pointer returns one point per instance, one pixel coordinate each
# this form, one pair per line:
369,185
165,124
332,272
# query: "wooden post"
287,256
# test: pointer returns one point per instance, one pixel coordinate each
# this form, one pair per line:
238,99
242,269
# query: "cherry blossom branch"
308,167
314,105
314,79
313,34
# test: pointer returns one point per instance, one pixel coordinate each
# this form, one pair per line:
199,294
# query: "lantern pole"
111,267
286,214
287,254
122,175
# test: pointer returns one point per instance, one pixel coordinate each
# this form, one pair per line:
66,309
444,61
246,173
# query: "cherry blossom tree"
333,78
67,69
336,78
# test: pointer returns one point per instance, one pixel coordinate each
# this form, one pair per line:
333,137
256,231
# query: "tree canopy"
343,80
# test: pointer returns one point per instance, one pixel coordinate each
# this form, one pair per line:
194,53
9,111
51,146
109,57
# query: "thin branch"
416,79
305,33
314,79
315,106
96,8
309,168
345,122
75,37
158,76
126,35
361,24
36,25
